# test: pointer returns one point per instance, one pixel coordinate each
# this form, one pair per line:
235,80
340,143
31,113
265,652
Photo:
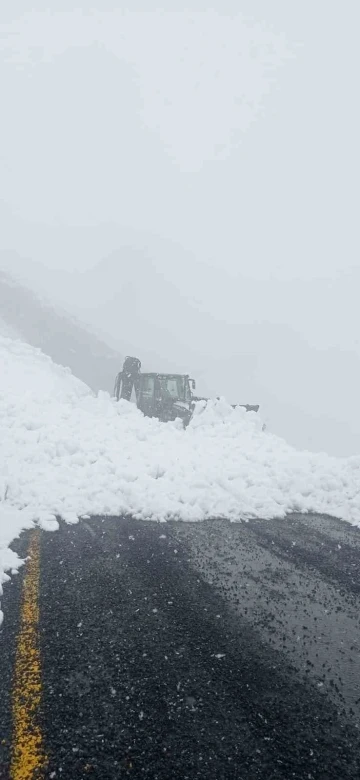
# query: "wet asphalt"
204,650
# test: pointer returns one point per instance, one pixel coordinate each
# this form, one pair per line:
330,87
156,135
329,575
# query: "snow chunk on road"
12,522
47,522
65,452
71,518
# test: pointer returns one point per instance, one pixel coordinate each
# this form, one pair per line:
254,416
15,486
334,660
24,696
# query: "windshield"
173,387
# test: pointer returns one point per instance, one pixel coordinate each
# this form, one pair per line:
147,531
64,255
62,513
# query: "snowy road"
208,650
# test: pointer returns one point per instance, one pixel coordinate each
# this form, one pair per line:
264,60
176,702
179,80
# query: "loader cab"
165,396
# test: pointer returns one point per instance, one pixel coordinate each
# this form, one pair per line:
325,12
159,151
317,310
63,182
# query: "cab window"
147,386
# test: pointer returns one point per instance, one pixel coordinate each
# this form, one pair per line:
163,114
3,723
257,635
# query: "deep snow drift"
65,452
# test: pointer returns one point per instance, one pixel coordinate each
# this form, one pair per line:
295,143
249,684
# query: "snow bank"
65,452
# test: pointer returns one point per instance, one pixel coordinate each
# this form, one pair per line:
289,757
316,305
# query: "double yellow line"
28,759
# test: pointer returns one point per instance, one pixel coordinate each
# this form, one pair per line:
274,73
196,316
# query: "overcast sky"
233,130
230,131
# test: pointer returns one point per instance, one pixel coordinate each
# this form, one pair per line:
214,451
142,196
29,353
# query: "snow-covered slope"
27,315
66,452
279,343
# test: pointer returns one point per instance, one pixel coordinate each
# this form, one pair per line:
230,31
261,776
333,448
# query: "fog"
187,182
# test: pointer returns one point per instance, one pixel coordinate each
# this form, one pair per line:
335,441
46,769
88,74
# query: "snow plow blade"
248,407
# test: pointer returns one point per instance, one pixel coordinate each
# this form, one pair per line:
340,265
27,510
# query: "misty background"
186,184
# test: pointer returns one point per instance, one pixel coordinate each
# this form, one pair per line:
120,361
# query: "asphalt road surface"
180,651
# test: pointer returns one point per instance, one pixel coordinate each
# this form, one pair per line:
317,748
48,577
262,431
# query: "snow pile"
66,452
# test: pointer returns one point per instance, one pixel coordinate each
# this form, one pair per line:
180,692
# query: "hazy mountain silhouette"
188,318
25,315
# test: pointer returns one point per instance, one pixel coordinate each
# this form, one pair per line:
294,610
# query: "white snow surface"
65,452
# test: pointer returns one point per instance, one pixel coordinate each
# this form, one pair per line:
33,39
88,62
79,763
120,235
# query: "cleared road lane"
176,650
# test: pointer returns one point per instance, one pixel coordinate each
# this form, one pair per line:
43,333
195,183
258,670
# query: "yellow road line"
28,759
